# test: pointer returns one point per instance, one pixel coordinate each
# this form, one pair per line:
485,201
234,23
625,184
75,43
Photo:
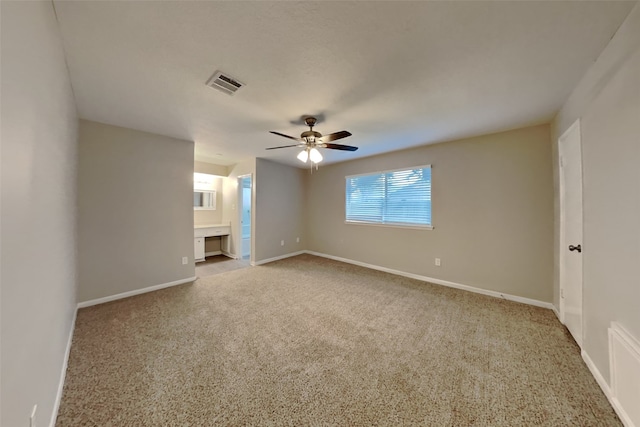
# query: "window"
399,197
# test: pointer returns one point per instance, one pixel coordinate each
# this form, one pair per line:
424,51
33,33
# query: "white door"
571,231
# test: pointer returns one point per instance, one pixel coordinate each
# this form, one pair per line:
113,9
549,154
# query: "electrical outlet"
438,262
185,260
32,418
297,240
281,242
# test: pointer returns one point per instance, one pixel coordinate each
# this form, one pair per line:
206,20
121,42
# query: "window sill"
375,224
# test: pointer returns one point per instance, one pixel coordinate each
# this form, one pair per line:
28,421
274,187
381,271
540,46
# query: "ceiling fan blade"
335,135
341,147
286,136
283,146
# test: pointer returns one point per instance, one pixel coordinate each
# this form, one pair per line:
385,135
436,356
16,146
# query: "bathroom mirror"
204,200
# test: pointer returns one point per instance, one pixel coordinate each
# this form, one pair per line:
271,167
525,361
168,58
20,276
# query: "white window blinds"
401,197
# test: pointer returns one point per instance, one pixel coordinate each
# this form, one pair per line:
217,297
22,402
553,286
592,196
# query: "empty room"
344,213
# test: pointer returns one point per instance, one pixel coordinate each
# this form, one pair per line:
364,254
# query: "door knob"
575,248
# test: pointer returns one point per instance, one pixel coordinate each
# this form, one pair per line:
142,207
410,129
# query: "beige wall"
206,217
279,208
230,206
213,244
492,213
135,200
39,150
607,100
211,168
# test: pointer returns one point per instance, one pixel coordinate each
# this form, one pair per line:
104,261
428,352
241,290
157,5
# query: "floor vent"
224,83
624,359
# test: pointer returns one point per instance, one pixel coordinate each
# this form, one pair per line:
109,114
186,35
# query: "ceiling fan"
311,140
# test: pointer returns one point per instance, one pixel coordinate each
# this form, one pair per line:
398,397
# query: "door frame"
240,204
562,250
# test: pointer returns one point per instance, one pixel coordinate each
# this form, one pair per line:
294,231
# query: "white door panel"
571,231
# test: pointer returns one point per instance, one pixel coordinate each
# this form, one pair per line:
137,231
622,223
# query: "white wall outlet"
438,262
281,242
297,240
185,260
32,418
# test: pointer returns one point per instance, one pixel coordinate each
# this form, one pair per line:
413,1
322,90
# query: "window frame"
389,224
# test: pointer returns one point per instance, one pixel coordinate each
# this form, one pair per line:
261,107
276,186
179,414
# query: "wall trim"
63,374
276,258
229,254
621,379
606,390
213,253
597,375
557,312
134,292
447,283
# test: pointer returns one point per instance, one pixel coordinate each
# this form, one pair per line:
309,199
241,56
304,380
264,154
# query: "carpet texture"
310,341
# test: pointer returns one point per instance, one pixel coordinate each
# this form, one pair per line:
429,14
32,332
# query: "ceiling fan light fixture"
303,156
309,140
315,155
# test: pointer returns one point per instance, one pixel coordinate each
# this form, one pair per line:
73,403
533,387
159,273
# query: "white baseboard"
229,254
63,374
555,310
604,386
289,255
447,283
134,292
622,414
596,374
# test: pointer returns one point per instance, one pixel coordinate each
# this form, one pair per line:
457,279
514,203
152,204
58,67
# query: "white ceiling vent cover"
224,82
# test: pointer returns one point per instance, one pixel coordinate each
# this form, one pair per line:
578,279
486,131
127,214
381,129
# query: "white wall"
39,149
607,100
135,208
206,217
492,214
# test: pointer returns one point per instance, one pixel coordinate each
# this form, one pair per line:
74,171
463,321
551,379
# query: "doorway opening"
244,208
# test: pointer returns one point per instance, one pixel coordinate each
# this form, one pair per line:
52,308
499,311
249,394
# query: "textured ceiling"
395,74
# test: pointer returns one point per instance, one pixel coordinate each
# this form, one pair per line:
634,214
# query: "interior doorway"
570,159
244,209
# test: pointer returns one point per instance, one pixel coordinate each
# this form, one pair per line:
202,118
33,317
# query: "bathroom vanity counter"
200,232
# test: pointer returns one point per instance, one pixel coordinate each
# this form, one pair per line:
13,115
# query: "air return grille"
224,83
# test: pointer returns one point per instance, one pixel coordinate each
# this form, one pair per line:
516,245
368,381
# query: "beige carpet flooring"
310,341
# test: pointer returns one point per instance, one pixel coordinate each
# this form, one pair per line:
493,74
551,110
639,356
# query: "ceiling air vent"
224,83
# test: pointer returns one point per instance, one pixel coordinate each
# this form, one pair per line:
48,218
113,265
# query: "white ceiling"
395,74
